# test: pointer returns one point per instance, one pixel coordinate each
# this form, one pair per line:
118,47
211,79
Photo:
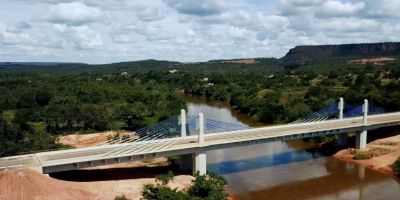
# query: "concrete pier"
196,162
200,163
361,138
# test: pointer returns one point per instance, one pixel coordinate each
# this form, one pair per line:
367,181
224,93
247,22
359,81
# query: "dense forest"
38,102
37,108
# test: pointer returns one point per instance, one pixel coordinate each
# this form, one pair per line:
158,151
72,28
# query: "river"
287,170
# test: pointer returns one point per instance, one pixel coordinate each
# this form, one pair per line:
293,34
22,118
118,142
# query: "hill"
302,54
36,63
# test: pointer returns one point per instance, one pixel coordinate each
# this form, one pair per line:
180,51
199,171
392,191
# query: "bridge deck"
107,154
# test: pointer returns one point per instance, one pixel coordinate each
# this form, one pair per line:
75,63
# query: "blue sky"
105,31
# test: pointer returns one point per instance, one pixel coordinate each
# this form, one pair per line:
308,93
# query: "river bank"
384,153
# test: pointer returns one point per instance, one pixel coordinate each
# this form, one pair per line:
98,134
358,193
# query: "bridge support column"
196,162
200,163
361,139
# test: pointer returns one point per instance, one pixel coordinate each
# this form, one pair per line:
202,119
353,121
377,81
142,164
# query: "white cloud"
336,8
189,30
197,8
73,13
149,14
383,8
294,7
80,37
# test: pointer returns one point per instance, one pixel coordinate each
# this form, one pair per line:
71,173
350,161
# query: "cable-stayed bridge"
192,136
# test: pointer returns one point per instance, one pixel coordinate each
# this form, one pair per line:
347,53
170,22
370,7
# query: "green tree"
209,186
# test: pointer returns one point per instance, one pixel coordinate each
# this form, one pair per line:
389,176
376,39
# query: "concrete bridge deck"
108,154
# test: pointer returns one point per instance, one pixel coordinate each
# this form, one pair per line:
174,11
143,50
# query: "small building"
172,71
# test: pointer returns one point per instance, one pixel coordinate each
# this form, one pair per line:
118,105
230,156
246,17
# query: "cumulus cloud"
20,26
80,37
73,13
186,30
10,36
335,8
293,7
149,14
197,8
383,9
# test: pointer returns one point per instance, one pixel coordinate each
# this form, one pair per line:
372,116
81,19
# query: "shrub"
122,197
361,155
165,178
209,186
162,192
396,167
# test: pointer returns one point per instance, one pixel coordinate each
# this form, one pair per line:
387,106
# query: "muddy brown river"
287,170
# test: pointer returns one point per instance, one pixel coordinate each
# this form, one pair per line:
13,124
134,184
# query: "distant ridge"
301,54
37,63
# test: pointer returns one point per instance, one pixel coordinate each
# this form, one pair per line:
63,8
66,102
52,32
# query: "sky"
106,31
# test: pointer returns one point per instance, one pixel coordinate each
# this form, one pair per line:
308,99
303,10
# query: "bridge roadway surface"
64,160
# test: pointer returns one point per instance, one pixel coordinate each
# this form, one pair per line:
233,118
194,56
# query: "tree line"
45,102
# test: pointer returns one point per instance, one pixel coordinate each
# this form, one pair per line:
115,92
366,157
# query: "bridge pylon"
197,161
342,137
183,123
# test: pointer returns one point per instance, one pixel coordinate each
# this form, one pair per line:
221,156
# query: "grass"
8,115
368,154
38,127
389,143
362,155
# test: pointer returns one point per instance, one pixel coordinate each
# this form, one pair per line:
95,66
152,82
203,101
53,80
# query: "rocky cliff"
301,54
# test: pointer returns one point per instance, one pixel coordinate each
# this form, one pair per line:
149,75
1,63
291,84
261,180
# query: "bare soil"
374,61
384,153
105,182
26,184
241,61
92,139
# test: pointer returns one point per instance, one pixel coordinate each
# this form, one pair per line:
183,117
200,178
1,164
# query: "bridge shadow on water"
234,166
119,173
